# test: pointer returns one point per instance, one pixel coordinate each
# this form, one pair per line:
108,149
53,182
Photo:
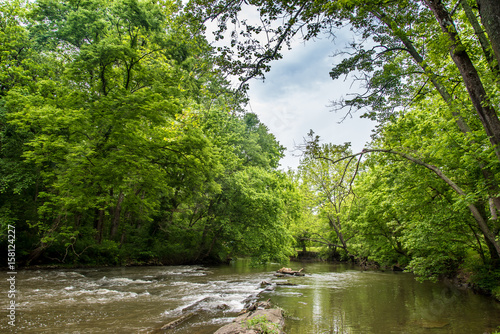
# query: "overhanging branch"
473,209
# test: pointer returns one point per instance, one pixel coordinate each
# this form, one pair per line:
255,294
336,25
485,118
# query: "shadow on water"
331,298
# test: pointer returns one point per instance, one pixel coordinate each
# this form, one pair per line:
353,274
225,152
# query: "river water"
331,298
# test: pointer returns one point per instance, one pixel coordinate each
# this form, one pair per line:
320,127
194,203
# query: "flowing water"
331,298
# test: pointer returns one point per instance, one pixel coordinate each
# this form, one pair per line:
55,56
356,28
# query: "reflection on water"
336,299
332,298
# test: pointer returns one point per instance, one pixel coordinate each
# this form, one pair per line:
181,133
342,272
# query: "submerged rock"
177,321
433,324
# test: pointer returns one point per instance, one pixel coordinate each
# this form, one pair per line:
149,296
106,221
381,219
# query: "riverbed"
331,298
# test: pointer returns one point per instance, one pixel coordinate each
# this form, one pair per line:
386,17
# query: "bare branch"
277,47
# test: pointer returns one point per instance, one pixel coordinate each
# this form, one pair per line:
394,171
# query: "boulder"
255,322
289,271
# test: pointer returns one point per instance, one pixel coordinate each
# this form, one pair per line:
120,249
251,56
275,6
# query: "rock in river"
255,322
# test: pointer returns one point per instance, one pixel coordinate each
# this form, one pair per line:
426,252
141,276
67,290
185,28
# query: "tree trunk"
417,57
124,230
440,87
202,242
490,18
337,229
116,216
36,253
494,257
480,220
470,76
99,225
481,36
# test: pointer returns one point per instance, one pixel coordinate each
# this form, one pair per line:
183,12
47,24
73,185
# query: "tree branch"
474,210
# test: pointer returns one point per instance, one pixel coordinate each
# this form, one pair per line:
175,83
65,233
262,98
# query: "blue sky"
295,98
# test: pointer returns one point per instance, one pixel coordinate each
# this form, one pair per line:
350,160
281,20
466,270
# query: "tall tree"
120,144
406,51
330,185
397,33
490,17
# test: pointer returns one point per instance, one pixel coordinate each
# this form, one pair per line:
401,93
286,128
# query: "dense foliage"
121,140
424,195
122,143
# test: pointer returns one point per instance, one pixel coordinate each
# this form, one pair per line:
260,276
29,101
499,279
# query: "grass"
262,325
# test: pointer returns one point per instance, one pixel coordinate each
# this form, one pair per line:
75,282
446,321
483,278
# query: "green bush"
487,279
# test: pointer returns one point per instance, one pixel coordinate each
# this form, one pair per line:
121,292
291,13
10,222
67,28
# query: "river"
331,298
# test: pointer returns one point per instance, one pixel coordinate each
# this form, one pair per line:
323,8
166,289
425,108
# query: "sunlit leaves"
133,141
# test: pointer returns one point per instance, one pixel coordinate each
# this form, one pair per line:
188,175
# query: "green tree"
421,182
20,67
130,146
407,52
246,213
330,184
305,222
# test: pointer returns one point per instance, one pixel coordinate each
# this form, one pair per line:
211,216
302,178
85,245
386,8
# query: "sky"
295,97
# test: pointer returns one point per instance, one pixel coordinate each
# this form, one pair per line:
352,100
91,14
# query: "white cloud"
295,96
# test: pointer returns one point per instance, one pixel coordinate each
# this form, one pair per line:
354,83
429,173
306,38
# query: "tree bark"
337,228
124,230
490,18
481,36
470,76
36,253
116,215
99,225
203,242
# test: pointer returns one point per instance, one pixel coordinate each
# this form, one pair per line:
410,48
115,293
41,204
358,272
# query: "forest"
124,141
